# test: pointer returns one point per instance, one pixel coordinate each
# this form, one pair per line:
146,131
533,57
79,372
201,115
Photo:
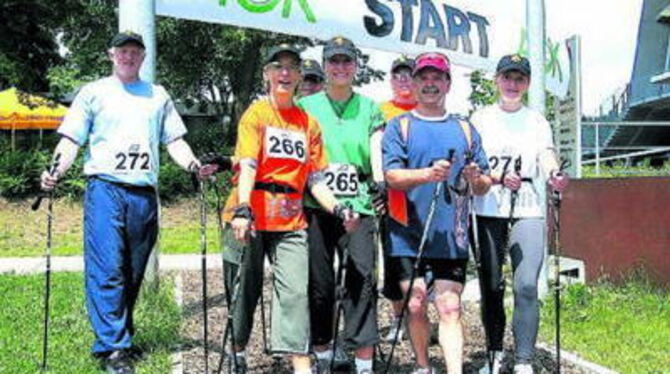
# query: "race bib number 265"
280,143
342,179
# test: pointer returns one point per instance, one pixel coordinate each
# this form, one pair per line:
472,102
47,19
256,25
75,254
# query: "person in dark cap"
122,120
312,78
433,157
402,101
281,156
518,141
352,125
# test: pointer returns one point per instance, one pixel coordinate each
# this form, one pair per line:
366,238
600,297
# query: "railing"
640,150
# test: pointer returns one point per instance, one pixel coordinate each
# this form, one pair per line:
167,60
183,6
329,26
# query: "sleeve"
173,125
249,135
79,118
377,120
394,149
478,152
317,153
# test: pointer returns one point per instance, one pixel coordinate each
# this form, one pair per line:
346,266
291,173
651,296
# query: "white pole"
597,124
535,38
140,16
535,35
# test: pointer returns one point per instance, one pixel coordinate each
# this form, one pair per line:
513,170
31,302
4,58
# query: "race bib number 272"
280,143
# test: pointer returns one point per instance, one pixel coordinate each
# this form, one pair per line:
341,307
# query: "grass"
620,170
22,231
70,338
625,328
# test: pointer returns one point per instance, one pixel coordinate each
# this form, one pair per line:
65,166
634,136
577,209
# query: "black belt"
127,186
529,180
274,187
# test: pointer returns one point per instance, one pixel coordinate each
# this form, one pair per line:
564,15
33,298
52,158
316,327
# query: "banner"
473,33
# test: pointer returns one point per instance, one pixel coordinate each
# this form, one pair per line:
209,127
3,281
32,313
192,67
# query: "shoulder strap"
467,130
404,127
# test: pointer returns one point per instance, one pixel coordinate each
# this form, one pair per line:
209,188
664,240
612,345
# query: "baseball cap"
273,53
402,62
339,46
126,37
434,60
311,67
513,62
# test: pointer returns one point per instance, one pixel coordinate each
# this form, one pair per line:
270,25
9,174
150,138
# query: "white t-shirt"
123,125
507,138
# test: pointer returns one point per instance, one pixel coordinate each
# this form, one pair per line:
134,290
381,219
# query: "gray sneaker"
497,363
392,331
239,367
321,366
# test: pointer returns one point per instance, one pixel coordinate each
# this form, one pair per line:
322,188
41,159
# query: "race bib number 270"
280,143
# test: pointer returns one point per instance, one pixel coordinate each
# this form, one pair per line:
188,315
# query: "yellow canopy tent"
23,111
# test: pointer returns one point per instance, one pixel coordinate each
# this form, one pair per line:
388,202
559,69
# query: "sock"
325,355
362,365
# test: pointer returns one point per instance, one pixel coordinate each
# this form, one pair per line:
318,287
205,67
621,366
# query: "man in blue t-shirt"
123,120
421,149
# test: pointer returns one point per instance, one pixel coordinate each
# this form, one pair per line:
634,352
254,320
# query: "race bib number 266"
280,143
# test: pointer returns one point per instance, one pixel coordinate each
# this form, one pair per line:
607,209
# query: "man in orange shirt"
280,153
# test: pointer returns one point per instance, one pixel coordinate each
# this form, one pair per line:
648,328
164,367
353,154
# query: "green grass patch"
620,170
70,335
23,232
625,328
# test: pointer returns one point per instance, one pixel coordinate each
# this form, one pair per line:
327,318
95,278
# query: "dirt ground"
193,351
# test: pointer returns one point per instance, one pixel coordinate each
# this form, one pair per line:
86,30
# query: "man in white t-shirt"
518,142
122,120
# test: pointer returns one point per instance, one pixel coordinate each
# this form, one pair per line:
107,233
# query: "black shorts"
430,268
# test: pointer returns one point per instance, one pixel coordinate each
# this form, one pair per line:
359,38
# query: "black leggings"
526,253
326,235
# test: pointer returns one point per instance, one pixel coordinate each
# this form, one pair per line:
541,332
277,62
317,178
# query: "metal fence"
593,155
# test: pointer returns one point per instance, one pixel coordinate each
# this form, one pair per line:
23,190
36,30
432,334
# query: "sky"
608,30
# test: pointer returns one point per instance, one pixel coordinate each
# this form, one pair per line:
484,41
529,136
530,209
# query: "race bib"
342,179
130,159
280,143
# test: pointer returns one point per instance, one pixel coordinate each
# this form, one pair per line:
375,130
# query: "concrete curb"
35,265
576,360
177,358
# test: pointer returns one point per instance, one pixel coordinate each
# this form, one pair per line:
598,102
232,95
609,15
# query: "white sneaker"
523,369
420,370
497,363
394,327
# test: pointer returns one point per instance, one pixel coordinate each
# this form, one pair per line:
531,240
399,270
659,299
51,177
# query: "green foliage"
620,170
484,91
70,337
625,327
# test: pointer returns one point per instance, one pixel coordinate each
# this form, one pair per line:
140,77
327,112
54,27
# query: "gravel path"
193,351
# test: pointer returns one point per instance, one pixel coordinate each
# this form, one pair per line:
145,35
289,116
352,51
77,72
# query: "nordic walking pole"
512,204
340,291
556,210
475,244
47,256
203,246
417,263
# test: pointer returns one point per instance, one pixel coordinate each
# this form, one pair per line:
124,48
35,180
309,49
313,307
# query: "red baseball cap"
434,60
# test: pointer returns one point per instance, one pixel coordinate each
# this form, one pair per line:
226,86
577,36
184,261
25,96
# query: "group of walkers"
322,175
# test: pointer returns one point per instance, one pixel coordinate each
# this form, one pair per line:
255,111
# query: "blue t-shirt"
428,140
123,125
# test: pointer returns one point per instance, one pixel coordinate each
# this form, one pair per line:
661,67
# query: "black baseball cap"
514,62
311,67
339,45
402,62
126,37
273,53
